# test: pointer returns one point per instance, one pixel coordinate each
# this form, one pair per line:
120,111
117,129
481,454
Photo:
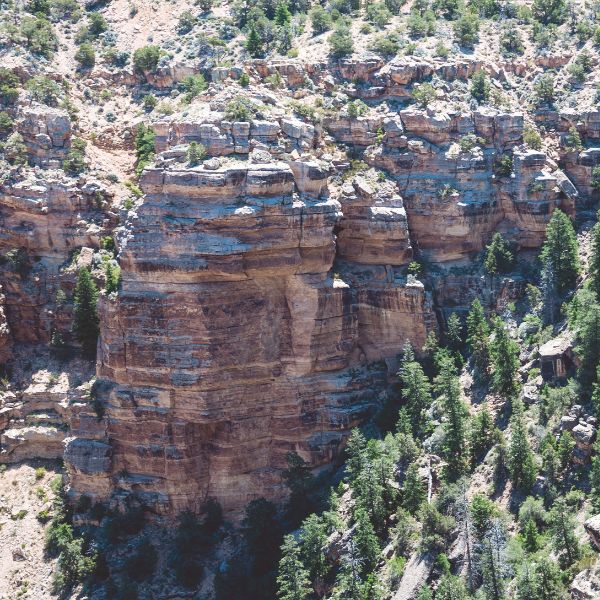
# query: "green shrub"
195,153
357,108
193,85
378,14
386,45
58,535
532,138
239,109
244,80
544,89
340,42
421,25
74,163
15,150
65,9
6,124
511,42
96,24
424,94
149,101
44,90
39,36
9,87
144,147
85,56
480,86
320,19
146,59
85,316
549,11
504,165
73,566
466,29
185,22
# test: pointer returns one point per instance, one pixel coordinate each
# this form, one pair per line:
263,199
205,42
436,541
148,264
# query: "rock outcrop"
239,335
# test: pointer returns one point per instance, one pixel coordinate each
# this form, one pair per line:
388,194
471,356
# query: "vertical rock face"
236,339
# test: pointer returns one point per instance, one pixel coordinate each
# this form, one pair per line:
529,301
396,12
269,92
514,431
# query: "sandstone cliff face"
235,339
45,217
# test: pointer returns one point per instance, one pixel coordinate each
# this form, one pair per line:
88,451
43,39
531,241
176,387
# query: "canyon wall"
265,297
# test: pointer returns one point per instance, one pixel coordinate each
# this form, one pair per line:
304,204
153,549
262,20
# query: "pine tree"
521,461
562,530
451,588
113,276
560,252
455,412
589,344
299,481
292,580
416,391
531,537
454,333
424,594
413,492
528,584
254,43
549,578
595,475
314,540
594,264
367,545
478,333
499,258
481,434
85,317
282,14
494,566
505,361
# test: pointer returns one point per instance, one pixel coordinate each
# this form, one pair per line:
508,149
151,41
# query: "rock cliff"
243,332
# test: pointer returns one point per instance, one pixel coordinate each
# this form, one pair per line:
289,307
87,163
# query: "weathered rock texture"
235,339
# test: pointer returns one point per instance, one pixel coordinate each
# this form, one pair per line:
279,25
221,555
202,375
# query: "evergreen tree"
505,361
531,537
113,276
424,594
313,538
282,14
416,391
595,475
478,333
254,43
413,492
262,531
589,344
85,317
521,461
562,530
549,578
499,258
367,545
292,580
454,333
455,425
494,566
481,434
451,588
300,482
594,264
559,253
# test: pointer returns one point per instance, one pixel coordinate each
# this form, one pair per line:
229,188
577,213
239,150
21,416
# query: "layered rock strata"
235,339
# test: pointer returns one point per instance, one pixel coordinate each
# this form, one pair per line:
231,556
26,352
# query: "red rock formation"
231,343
